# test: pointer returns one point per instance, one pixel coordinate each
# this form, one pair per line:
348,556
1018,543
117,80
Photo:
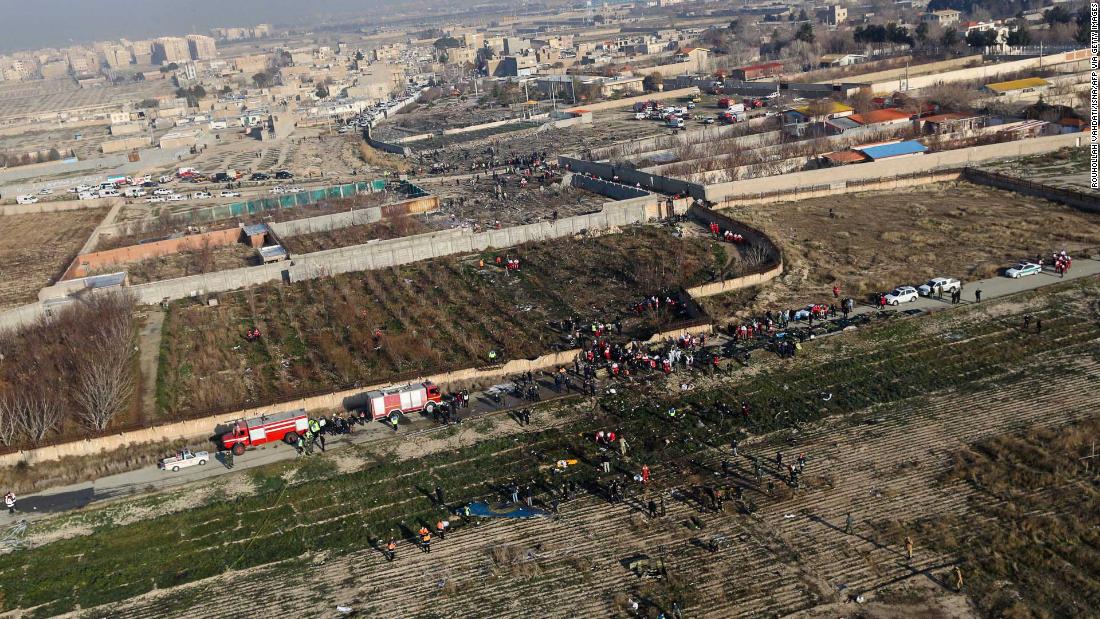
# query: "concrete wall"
738,283
617,191
795,194
196,429
336,221
630,176
495,124
888,168
387,253
84,264
385,147
54,206
1078,199
21,316
630,101
666,145
394,252
921,69
979,73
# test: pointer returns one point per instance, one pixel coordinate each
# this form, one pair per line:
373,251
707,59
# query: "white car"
198,195
177,197
163,192
45,191
294,189
278,189
86,195
155,199
945,284
1023,270
26,199
184,459
902,294
230,194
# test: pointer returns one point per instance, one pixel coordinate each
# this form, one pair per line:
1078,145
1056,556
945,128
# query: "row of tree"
11,160
70,373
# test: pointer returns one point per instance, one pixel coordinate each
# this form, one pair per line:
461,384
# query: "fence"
831,189
1077,199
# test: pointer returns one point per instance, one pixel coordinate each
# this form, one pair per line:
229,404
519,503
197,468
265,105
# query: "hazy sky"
30,24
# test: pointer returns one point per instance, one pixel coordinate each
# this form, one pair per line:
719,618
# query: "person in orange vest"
391,550
441,528
645,473
425,539
836,291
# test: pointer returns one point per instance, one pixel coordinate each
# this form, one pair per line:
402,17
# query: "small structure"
842,60
892,150
888,117
844,157
1023,86
273,253
951,122
757,71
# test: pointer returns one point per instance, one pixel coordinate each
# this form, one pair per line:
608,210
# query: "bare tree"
105,380
40,412
757,255
9,415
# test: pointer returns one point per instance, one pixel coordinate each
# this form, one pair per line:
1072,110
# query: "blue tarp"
505,510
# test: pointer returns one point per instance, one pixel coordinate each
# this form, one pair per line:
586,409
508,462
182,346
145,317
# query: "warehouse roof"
1027,82
897,149
880,116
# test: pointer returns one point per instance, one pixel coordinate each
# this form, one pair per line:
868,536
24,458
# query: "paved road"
152,479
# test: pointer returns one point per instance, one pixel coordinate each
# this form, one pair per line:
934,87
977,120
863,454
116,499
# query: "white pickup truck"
183,460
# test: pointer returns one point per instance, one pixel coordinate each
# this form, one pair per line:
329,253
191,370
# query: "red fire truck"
286,426
393,402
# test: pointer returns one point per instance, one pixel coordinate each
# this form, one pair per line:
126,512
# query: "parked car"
184,459
85,195
259,176
709,120
28,199
1023,269
177,197
163,192
155,199
294,189
277,189
45,191
902,294
945,284
283,174
230,194
199,195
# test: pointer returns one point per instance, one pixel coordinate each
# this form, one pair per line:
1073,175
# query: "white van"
108,193
86,195
26,199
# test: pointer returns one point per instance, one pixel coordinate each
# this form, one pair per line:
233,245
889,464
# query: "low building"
757,71
842,60
892,150
951,122
946,17
805,114
883,118
1027,85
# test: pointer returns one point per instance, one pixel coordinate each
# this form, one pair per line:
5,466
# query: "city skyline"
58,23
